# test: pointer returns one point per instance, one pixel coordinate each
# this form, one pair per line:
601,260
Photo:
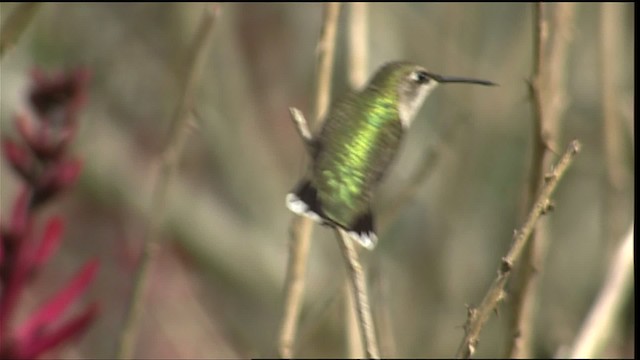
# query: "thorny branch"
477,316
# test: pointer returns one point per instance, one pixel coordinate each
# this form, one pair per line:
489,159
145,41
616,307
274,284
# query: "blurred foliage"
217,285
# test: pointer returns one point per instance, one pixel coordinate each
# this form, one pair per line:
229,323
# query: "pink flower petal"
20,216
19,157
59,177
52,338
67,172
50,241
1,250
17,279
25,125
56,306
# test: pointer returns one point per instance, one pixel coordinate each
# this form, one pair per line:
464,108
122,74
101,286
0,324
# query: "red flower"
46,170
35,335
57,99
57,178
20,158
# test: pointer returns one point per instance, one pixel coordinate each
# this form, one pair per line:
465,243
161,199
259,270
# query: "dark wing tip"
362,231
303,200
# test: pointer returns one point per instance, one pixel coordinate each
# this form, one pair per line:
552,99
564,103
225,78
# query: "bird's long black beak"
456,79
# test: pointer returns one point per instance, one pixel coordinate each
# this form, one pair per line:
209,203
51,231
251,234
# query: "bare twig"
16,23
359,287
326,49
610,26
294,283
302,126
358,44
168,163
355,347
301,227
358,59
382,313
549,101
597,328
479,315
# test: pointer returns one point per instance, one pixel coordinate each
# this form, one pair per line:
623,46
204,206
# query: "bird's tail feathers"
303,200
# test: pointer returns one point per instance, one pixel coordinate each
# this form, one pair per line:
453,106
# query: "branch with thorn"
478,316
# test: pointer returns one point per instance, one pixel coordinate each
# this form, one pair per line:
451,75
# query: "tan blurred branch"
326,49
301,227
15,24
355,348
358,44
548,91
382,314
477,317
181,125
597,327
358,59
610,25
302,127
359,286
294,283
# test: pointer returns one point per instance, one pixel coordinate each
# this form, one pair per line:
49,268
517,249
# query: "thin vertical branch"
301,227
355,347
358,44
358,60
611,131
326,49
598,326
548,91
478,316
15,24
359,286
294,283
382,314
181,124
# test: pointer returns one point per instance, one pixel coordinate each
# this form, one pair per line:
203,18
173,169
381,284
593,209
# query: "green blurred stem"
478,316
16,23
181,125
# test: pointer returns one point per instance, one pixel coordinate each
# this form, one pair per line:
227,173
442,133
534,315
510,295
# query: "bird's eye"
421,77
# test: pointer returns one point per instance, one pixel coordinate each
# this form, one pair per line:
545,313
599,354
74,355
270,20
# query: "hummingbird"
358,141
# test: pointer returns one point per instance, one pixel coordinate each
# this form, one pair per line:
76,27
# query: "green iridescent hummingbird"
360,137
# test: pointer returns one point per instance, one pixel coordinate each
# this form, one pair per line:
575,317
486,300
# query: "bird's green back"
357,144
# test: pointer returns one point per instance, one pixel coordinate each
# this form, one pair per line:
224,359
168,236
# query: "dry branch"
611,25
181,124
294,283
359,287
598,326
326,49
548,92
358,68
301,227
358,45
477,316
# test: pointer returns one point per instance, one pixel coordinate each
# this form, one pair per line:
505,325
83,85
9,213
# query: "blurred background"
216,287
